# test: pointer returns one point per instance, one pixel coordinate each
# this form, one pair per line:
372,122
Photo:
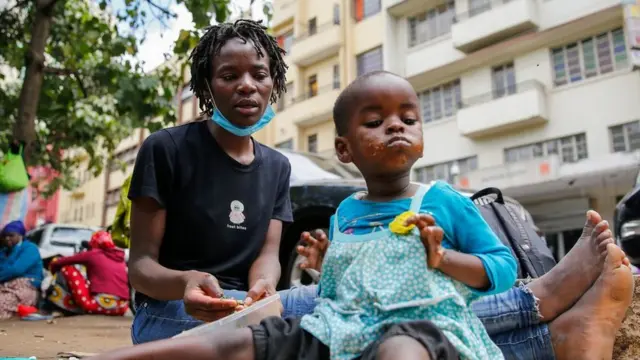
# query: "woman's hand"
314,248
202,298
260,290
431,237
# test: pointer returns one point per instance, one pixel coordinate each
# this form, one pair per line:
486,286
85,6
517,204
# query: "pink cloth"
106,270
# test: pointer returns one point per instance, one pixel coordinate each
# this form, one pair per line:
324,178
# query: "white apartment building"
536,97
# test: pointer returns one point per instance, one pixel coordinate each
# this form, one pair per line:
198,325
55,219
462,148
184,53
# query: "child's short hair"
214,39
346,100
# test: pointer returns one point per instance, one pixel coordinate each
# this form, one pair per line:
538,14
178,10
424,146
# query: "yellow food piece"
397,226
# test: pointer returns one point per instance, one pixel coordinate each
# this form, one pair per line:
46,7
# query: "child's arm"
465,268
481,261
314,248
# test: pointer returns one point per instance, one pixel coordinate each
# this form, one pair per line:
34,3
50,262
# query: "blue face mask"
224,123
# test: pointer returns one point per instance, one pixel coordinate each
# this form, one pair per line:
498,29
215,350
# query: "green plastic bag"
13,173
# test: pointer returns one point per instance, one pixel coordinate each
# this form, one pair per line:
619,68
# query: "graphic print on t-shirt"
236,216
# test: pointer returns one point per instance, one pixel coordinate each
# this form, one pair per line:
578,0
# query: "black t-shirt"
218,210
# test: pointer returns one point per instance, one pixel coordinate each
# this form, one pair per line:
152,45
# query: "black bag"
530,250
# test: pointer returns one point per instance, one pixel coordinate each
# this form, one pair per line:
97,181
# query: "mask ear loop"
211,94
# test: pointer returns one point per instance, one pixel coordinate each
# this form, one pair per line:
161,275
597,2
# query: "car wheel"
297,276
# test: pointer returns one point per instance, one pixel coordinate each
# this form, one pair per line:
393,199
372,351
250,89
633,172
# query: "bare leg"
402,347
587,331
236,345
561,287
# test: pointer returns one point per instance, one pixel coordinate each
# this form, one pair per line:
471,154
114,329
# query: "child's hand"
431,237
313,249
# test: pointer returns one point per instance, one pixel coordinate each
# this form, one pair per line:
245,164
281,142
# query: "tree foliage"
90,92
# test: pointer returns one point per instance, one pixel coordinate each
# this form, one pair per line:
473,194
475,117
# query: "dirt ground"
88,334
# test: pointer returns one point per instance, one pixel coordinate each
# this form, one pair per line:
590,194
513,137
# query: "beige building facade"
536,97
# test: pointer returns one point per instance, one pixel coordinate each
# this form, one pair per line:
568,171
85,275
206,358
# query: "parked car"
62,239
626,223
318,185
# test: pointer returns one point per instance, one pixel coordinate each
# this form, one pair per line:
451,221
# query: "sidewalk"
90,334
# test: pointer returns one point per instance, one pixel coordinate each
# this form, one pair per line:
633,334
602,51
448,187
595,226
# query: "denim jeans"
511,318
156,320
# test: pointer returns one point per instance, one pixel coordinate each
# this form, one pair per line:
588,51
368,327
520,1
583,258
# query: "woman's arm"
29,257
80,258
145,273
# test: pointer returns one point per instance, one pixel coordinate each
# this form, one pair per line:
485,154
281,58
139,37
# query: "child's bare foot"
587,331
561,287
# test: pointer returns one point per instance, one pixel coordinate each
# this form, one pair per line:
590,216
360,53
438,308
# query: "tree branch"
162,9
67,72
58,71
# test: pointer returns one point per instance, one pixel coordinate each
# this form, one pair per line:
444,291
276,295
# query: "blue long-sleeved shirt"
464,228
21,261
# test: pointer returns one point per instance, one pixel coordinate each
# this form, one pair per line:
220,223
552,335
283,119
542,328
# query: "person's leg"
157,320
514,309
563,285
412,340
273,339
587,331
79,289
402,347
16,292
298,301
530,343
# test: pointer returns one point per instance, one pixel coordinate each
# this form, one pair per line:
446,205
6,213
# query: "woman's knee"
402,347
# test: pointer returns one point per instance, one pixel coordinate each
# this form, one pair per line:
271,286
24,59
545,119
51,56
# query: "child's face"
384,136
241,82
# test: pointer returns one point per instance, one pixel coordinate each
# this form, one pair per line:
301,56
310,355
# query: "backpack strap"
489,191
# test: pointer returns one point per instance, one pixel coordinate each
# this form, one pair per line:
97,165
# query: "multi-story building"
83,205
536,97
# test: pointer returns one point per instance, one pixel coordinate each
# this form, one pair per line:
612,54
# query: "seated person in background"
21,271
103,290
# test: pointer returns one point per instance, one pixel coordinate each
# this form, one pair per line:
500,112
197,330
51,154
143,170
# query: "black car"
626,223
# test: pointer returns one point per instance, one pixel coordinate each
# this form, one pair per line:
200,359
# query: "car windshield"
71,235
306,167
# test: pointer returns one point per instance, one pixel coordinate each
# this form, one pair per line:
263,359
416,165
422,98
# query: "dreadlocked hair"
214,39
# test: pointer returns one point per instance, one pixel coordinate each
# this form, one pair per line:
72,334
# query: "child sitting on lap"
394,285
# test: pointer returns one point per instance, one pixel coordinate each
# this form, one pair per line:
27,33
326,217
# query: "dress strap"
336,226
416,200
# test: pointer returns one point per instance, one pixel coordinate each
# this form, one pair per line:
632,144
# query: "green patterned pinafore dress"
372,281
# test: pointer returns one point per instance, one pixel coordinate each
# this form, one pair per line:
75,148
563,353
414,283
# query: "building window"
336,14
366,8
504,80
590,57
441,102
431,24
369,61
285,41
312,143
446,171
313,85
113,197
313,26
126,157
570,149
625,137
286,145
286,98
479,6
336,76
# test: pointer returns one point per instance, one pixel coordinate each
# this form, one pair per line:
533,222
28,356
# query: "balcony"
404,8
493,21
507,109
283,11
307,110
309,48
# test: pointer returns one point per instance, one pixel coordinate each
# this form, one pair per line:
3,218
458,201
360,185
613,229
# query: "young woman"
208,201
20,270
92,282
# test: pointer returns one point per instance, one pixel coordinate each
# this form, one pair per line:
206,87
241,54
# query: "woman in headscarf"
21,270
92,282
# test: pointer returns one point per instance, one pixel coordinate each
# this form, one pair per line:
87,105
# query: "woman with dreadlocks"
208,201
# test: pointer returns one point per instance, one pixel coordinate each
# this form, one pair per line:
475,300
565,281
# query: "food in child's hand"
399,226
